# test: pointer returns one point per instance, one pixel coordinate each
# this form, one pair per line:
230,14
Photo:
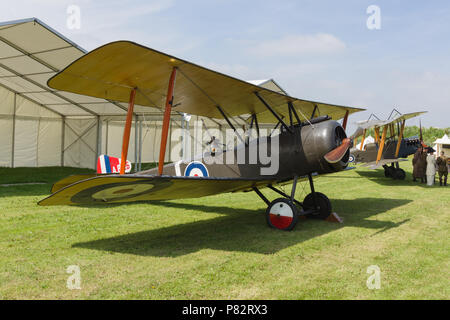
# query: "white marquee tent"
40,126
367,140
442,144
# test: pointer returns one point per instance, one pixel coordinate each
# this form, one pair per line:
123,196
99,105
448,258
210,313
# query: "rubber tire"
389,172
294,212
323,203
399,174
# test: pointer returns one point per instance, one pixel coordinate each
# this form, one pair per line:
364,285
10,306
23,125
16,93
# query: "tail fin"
107,165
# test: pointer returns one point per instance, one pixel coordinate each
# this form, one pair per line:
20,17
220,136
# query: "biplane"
310,140
389,146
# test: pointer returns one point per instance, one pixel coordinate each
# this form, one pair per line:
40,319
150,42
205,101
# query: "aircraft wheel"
282,214
400,174
323,203
389,172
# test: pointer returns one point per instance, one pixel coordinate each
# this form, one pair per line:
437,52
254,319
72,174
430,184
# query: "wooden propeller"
339,152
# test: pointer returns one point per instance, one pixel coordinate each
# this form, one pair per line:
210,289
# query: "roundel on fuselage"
196,169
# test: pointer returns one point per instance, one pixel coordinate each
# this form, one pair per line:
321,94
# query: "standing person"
431,167
419,164
442,168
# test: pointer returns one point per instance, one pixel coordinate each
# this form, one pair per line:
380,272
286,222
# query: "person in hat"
442,163
419,164
431,167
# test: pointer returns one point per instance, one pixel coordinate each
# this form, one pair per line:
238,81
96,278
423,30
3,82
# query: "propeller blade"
359,132
338,153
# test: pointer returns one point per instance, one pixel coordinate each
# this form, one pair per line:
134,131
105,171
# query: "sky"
317,50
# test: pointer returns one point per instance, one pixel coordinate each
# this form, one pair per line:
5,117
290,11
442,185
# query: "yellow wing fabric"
131,188
111,71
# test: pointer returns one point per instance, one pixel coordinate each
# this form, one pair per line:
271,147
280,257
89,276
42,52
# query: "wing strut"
381,146
363,138
292,109
314,112
400,137
166,121
344,122
273,112
377,134
126,132
230,124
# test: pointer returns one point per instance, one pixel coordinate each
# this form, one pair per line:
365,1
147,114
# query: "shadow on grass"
243,230
378,177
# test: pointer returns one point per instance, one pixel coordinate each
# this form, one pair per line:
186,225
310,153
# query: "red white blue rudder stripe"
107,164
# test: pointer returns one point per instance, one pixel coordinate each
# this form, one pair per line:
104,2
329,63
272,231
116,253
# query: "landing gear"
394,172
389,171
400,174
323,206
283,213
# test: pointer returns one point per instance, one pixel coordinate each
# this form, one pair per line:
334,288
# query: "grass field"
221,248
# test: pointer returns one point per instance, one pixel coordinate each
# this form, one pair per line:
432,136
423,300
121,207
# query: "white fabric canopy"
444,140
367,140
43,127
40,126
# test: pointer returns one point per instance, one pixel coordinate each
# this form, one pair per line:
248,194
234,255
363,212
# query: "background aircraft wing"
370,124
130,188
407,116
374,165
113,70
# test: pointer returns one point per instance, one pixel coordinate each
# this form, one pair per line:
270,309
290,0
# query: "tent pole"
126,132
13,132
63,132
37,142
106,138
170,140
135,142
99,140
166,121
140,145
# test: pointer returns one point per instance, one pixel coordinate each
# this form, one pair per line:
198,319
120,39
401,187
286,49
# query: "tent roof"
268,84
444,140
32,52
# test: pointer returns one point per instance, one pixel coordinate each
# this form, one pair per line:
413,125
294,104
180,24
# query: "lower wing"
130,188
375,165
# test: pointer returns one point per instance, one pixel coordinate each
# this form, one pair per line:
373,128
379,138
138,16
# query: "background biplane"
311,141
389,147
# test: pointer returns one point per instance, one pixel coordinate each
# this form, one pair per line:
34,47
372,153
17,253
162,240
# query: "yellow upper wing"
111,71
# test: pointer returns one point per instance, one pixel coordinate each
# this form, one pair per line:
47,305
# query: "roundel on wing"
196,169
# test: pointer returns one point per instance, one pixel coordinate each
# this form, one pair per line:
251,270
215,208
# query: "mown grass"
220,247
